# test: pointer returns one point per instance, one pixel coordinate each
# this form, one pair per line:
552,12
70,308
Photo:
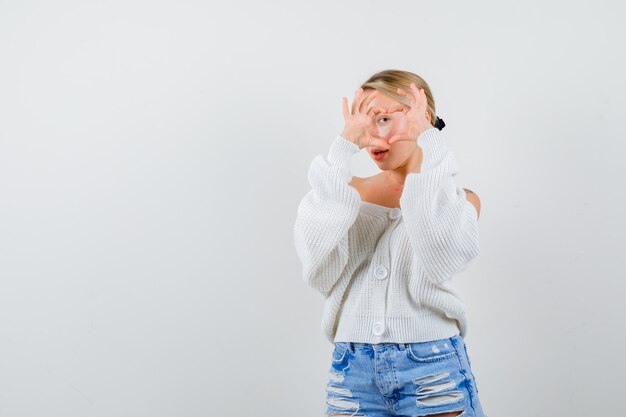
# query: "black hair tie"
439,123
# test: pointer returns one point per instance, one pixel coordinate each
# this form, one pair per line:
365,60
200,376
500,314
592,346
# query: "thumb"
378,141
399,137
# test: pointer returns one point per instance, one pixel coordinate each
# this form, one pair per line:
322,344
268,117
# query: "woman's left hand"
417,115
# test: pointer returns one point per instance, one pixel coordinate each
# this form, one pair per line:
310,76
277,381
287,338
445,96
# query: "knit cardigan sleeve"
442,225
325,215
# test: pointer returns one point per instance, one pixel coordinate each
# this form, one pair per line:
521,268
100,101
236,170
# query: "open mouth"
378,154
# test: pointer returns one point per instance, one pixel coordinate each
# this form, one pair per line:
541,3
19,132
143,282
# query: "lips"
378,154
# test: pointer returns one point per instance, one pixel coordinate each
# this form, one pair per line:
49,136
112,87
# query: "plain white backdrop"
153,154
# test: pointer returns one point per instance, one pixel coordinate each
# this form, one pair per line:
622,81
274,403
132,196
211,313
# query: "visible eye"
383,118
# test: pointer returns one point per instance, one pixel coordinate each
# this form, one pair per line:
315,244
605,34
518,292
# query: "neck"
398,174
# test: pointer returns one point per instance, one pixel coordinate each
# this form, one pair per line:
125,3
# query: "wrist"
351,136
340,152
433,147
414,164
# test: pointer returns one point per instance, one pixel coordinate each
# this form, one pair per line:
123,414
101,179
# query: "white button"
378,328
380,272
395,213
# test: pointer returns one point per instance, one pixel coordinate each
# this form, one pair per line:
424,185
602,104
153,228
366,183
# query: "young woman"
383,251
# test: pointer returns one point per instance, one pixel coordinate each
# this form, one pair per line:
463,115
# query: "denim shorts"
402,379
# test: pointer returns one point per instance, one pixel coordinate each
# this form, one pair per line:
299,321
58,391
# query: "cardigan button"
380,272
378,328
395,213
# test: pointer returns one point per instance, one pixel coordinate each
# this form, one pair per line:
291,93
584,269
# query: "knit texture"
387,273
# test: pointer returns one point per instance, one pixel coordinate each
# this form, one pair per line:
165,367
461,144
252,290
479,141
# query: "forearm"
441,224
325,216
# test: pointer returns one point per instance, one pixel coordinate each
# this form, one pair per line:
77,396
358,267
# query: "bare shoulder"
472,197
357,183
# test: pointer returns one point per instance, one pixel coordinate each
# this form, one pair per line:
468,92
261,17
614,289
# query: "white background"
153,154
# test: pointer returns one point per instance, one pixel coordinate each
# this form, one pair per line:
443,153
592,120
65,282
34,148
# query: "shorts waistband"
400,345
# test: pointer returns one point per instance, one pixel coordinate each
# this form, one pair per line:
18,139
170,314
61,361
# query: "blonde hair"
388,82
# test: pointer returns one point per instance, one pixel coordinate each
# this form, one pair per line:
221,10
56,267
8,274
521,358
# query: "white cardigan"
386,273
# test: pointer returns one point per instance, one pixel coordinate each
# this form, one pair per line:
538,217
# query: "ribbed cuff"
438,164
433,147
341,151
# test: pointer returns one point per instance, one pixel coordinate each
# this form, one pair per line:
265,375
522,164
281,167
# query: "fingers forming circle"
358,99
346,112
368,100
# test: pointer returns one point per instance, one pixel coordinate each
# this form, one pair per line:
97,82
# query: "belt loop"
401,346
454,341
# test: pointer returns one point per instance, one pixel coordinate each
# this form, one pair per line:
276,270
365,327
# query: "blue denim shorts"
402,379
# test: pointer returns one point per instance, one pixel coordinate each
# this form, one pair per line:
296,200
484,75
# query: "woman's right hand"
359,127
